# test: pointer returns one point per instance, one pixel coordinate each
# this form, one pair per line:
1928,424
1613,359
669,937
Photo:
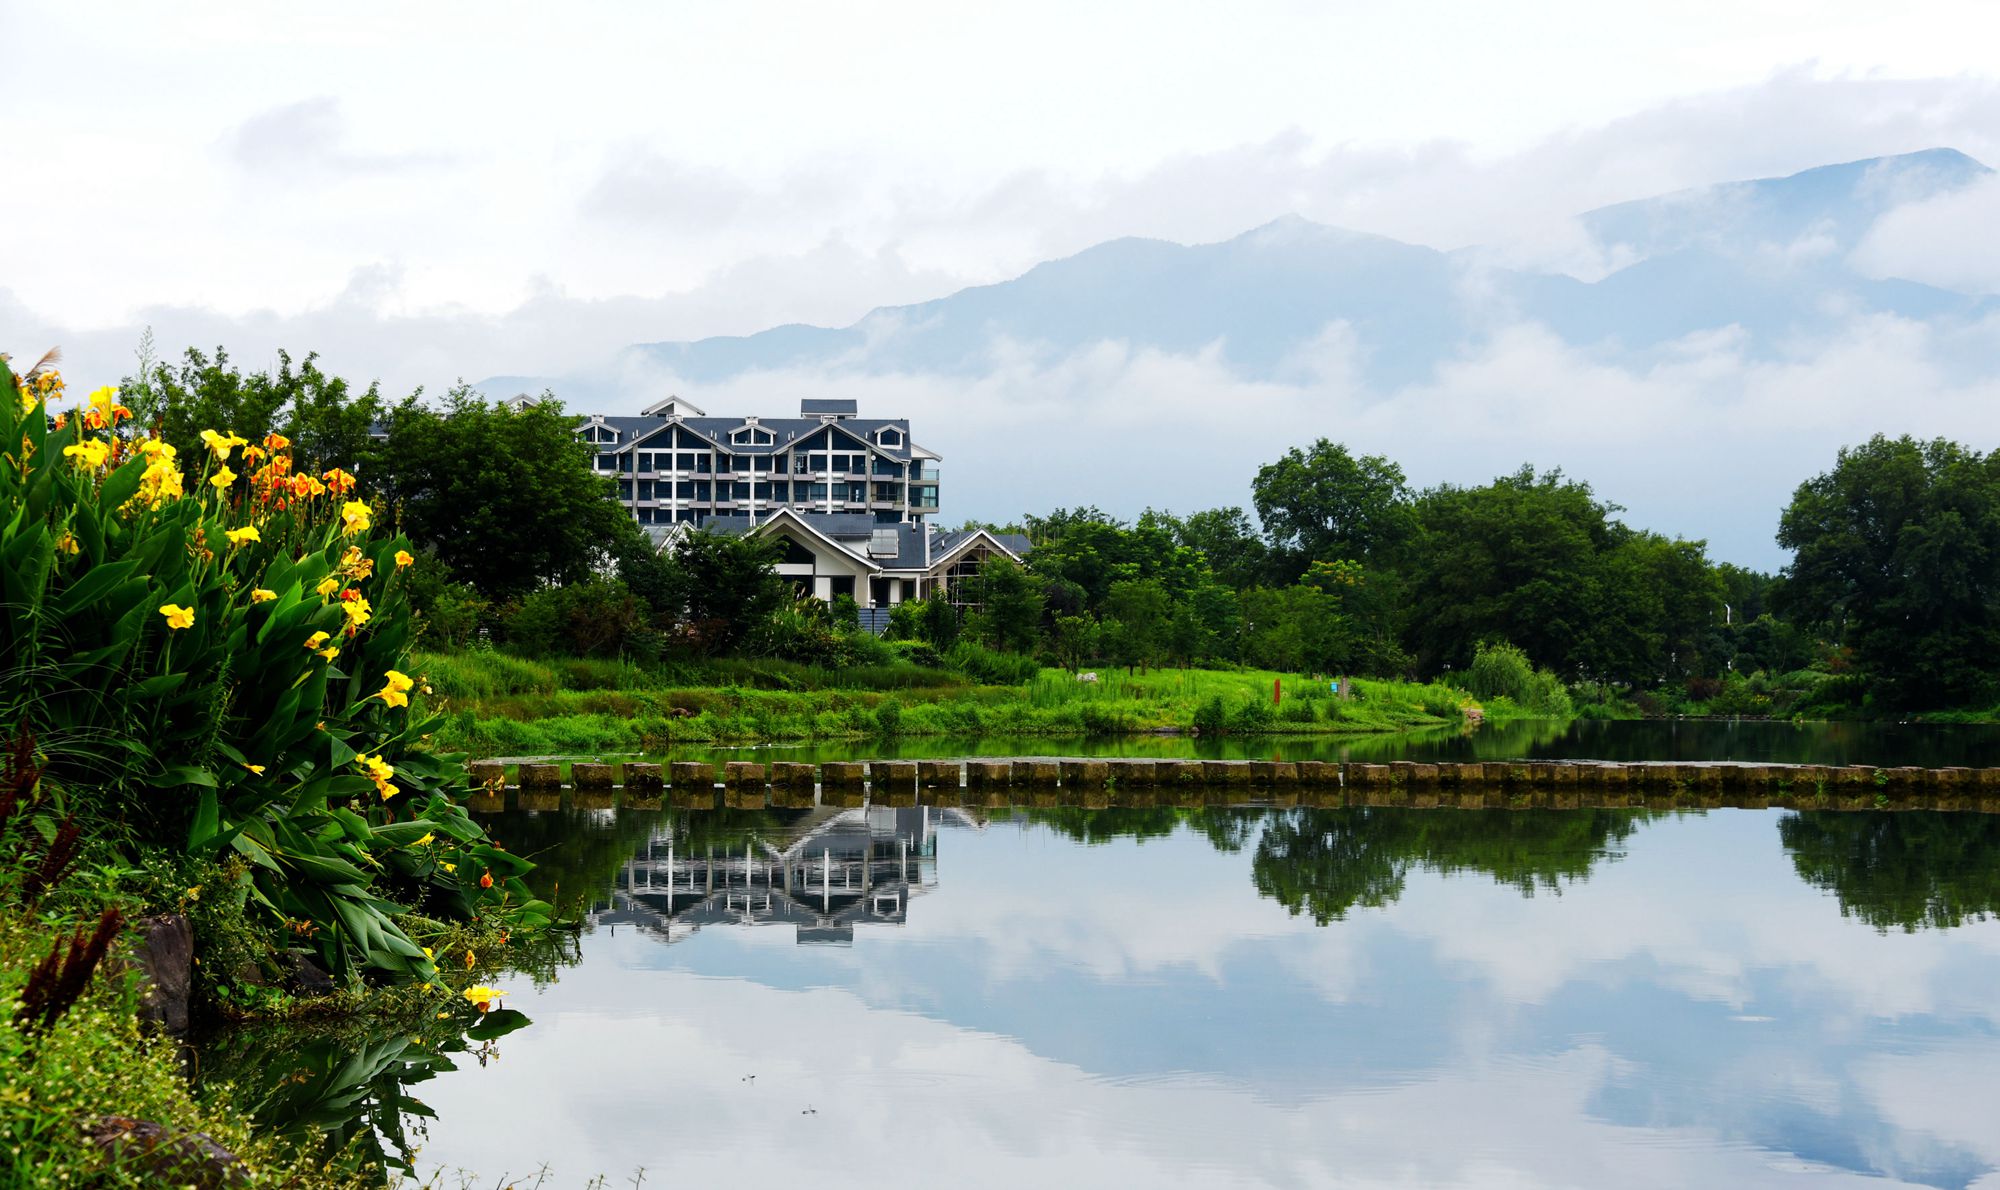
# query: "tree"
716,588
1073,640
1896,553
329,424
1136,612
1326,504
1010,615
505,497
1225,537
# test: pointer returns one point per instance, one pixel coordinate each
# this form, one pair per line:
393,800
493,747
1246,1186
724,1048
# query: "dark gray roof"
785,431
829,407
854,531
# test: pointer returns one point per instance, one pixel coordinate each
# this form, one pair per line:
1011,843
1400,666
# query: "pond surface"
1255,997
1753,740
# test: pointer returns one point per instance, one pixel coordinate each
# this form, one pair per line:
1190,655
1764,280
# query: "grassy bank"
499,705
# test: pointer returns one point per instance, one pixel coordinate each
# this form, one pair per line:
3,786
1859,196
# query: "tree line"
1338,566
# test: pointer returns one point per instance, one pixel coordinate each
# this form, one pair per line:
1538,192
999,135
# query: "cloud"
1951,240
307,142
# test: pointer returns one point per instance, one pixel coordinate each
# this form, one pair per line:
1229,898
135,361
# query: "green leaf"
497,1023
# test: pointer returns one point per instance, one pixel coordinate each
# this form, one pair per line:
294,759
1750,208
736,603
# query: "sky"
424,193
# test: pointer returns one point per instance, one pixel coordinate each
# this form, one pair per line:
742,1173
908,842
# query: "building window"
796,554
890,437
607,462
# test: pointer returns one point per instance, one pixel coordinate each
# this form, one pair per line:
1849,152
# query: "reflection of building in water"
824,874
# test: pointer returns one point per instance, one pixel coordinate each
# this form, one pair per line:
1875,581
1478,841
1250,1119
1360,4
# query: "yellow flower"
428,954
338,482
330,652
221,444
154,448
104,400
327,586
357,612
255,768
428,838
194,894
67,543
247,533
27,401
222,478
449,867
404,558
354,515
276,442
262,595
396,691
89,455
387,790
178,616
480,997
316,640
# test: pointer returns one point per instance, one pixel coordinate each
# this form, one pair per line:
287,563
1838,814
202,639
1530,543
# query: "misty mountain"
1769,257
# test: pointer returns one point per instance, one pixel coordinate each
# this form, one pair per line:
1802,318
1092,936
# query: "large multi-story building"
677,465
852,497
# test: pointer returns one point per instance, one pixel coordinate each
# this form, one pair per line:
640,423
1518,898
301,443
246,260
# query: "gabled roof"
786,432
674,406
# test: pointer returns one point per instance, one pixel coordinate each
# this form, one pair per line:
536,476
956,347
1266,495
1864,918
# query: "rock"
303,977
164,954
179,1158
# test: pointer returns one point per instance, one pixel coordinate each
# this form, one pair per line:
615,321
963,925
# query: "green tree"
1010,606
1073,640
1896,553
1324,503
1137,615
1900,871
505,497
715,589
1230,543
328,423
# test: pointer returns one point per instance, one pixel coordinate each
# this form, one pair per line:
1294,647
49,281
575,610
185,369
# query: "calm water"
1676,740
1224,998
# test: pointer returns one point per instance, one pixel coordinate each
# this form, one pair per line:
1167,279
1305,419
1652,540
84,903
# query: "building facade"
676,465
851,498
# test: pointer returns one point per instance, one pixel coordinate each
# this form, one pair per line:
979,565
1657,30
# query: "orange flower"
486,880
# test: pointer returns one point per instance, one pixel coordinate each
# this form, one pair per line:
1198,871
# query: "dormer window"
751,435
889,436
598,433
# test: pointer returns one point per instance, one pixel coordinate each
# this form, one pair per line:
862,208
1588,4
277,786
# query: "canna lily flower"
427,953
154,448
252,455
95,419
104,400
276,442
387,790
262,595
222,478
316,640
221,444
354,515
67,543
89,455
330,652
177,616
470,959
486,880
327,586
255,768
480,997
449,867
396,692
27,400
338,482
357,612
246,534
404,558
428,839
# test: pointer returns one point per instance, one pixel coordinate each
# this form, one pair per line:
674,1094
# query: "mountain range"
1771,257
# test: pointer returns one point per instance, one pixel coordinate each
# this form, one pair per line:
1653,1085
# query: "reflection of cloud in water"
1689,1013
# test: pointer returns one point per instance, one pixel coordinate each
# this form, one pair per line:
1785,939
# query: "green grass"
499,705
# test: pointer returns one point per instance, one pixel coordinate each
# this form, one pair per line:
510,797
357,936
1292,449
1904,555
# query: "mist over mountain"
1713,307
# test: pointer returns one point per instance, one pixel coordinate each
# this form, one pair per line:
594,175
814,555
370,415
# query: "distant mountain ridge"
1770,256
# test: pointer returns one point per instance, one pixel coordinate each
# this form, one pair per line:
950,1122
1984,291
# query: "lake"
1220,997
1760,741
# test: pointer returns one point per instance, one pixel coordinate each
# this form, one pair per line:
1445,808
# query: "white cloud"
1951,240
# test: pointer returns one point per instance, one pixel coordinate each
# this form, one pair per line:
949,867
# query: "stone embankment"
1041,781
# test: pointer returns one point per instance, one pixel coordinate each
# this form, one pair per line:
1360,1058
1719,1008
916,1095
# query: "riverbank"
496,704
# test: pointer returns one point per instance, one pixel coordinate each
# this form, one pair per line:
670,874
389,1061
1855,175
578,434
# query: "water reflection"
821,872
1901,871
1250,997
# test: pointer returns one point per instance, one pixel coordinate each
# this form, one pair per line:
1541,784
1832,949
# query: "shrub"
916,652
220,672
1499,670
991,667
1210,718
1253,716
889,718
